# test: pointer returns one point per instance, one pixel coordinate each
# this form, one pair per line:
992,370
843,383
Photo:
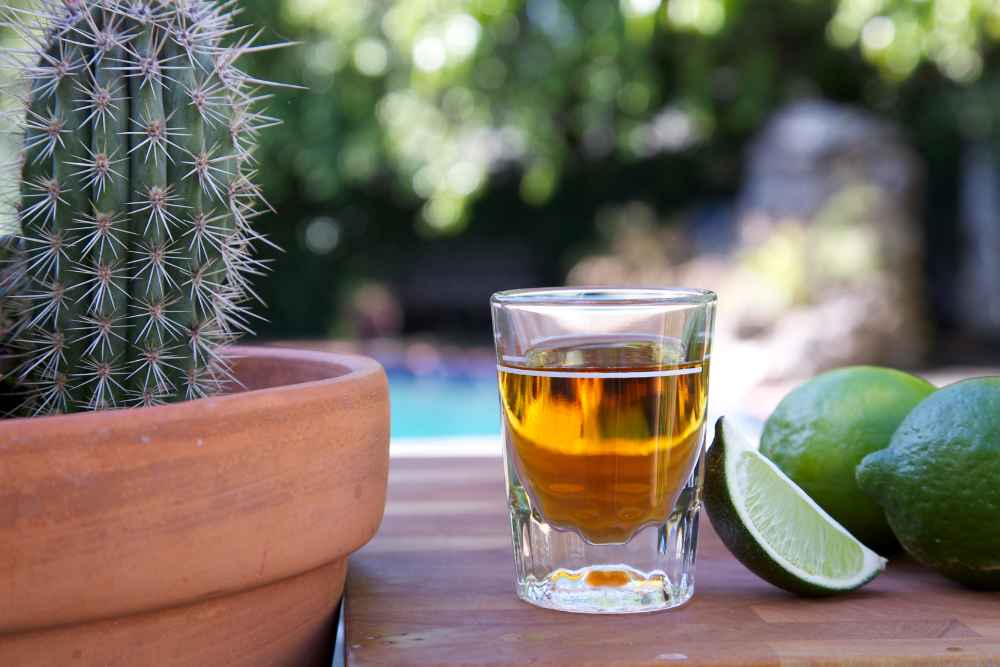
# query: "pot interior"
264,372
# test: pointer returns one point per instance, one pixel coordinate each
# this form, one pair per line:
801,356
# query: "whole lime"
820,432
939,482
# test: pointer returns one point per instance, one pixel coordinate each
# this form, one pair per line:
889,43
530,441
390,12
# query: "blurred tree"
898,35
527,115
441,95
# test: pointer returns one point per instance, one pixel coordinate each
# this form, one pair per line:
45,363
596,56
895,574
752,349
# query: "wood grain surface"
435,587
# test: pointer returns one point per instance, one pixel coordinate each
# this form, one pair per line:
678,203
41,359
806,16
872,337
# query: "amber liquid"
604,433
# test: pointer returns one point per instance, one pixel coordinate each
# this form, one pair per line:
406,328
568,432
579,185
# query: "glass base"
611,589
558,569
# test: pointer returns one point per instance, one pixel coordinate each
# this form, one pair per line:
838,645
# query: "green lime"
939,482
820,432
774,528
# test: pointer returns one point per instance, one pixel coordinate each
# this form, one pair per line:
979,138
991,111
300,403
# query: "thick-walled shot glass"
604,394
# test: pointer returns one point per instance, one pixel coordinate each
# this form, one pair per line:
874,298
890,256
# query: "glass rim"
606,296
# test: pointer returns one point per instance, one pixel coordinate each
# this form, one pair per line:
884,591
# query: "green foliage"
524,117
131,272
442,95
898,35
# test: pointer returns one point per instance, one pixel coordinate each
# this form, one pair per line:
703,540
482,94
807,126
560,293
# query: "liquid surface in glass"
604,432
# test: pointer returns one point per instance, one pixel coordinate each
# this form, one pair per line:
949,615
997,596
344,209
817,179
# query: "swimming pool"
435,406
467,407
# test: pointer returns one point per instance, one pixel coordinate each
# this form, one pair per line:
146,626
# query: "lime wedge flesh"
774,528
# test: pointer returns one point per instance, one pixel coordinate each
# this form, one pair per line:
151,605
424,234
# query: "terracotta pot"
209,533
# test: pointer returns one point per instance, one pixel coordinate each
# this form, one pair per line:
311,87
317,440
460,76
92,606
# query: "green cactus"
132,270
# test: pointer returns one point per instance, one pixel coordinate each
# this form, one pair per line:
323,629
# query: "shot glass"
603,394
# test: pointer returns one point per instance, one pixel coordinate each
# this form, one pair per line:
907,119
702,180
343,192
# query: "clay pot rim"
353,366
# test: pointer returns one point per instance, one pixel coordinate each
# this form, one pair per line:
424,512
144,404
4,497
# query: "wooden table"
435,588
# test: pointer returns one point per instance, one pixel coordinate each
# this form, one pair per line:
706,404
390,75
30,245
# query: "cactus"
136,201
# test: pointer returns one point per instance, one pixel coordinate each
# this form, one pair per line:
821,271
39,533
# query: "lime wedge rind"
774,528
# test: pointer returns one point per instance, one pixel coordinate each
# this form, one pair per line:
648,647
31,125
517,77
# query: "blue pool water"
468,405
443,406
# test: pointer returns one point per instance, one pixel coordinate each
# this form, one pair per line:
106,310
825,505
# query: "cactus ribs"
132,271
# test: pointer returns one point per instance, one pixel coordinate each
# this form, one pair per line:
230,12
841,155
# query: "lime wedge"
775,529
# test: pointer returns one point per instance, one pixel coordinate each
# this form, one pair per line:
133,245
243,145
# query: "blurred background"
828,166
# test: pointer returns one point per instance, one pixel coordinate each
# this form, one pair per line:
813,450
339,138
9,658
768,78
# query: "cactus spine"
133,262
